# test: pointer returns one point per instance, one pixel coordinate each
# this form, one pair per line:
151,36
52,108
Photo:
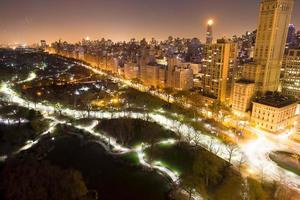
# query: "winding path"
255,152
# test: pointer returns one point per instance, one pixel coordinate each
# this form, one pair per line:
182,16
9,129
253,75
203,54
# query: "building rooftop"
275,100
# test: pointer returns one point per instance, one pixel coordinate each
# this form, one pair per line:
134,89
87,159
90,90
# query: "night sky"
32,20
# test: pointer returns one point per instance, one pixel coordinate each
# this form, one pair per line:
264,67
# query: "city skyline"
52,20
90,110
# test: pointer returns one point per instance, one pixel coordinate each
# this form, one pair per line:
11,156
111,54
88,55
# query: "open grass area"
14,136
20,126
178,157
197,165
112,176
132,132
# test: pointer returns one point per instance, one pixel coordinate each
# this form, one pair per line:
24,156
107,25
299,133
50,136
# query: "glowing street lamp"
39,93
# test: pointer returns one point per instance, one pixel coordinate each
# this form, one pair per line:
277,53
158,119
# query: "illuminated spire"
209,32
210,22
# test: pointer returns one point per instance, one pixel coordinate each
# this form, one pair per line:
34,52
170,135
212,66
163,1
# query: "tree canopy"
31,179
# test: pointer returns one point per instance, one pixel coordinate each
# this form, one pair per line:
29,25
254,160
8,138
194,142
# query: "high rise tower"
209,32
291,34
274,20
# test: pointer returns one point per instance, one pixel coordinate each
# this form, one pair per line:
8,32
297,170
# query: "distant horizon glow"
120,20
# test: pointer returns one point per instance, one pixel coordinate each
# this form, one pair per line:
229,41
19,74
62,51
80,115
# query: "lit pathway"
47,110
255,152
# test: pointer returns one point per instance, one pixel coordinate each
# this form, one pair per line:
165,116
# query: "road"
256,151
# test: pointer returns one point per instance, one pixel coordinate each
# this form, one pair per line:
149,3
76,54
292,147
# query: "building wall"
172,63
250,71
183,79
298,126
218,69
149,75
194,66
162,77
186,79
241,97
274,19
291,79
131,71
273,119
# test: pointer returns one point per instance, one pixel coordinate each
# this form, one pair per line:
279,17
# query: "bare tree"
211,144
216,150
197,139
58,108
231,149
282,192
241,162
177,131
245,190
262,173
190,136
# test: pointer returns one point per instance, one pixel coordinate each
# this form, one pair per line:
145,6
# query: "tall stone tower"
274,20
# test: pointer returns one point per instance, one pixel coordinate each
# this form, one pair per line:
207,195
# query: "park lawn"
230,188
131,158
133,132
142,99
83,122
259,191
14,136
16,112
178,157
112,176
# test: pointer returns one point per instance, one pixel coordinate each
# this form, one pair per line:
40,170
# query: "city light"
218,95
255,156
210,22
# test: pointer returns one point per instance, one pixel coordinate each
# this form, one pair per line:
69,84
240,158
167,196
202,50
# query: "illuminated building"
131,71
291,79
274,19
298,126
209,32
291,37
43,44
194,66
249,71
149,75
218,68
172,63
162,77
271,112
241,97
274,113
183,78
111,64
80,52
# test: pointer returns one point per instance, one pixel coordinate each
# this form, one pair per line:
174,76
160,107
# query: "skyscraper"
291,78
274,20
219,65
209,32
291,34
